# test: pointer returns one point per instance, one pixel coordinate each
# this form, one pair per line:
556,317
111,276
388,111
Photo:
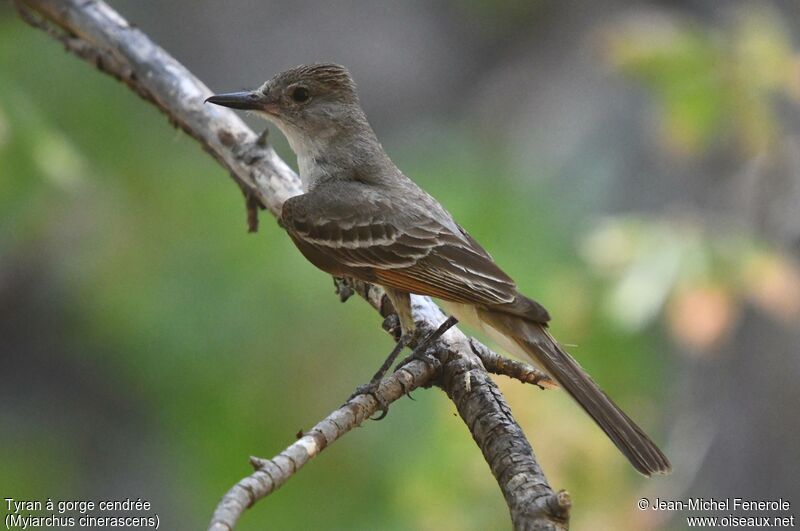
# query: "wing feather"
404,248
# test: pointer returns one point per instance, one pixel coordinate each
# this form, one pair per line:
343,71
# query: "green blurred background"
647,154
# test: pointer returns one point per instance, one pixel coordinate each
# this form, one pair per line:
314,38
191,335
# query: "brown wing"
454,269
400,246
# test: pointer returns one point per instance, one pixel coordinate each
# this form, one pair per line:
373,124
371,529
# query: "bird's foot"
419,352
374,384
371,389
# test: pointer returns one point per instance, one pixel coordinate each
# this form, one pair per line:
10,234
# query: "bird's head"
308,102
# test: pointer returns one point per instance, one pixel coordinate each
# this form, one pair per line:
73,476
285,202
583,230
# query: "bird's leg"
401,301
402,305
421,348
371,388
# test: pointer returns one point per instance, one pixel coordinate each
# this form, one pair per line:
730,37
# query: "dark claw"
406,391
372,390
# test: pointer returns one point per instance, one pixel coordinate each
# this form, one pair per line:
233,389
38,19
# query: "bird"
361,217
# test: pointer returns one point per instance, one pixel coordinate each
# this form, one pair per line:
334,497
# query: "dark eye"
300,94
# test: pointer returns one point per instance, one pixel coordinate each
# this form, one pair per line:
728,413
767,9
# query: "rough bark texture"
96,33
504,446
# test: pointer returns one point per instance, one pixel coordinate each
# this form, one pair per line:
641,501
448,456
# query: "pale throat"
314,160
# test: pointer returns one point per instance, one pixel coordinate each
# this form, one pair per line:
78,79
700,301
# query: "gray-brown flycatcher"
362,218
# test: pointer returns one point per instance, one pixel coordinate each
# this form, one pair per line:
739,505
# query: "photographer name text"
719,504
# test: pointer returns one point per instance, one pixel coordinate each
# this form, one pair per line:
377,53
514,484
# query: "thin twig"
270,474
497,364
93,31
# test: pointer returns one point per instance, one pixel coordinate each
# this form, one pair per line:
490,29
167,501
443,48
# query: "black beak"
240,100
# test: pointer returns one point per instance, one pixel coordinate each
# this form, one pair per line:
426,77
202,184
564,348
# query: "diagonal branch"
271,474
93,31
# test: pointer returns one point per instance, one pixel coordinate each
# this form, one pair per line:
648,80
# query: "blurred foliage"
717,85
699,280
227,343
711,82
220,344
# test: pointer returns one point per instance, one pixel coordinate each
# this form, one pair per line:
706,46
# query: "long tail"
535,341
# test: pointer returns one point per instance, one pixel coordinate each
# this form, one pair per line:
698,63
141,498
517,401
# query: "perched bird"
362,218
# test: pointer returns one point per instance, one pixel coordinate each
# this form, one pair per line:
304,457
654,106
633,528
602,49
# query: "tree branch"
96,33
497,364
270,474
